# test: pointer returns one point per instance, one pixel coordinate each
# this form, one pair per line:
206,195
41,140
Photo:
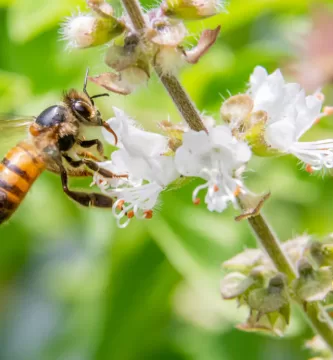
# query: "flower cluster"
267,120
273,115
130,54
151,164
254,281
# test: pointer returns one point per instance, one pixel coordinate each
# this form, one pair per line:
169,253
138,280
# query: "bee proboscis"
53,136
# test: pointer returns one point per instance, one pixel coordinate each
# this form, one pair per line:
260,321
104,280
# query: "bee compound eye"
82,109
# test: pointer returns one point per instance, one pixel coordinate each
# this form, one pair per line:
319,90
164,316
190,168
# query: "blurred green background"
72,285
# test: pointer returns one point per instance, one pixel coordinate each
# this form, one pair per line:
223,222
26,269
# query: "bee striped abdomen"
18,171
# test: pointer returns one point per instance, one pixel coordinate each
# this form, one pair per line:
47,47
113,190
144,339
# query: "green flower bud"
192,9
84,31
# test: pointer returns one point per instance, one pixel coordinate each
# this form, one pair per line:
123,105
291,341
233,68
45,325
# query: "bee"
54,135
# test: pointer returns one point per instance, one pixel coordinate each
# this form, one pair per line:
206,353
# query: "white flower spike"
141,156
290,114
217,157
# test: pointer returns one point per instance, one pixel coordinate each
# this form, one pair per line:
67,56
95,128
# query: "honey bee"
53,136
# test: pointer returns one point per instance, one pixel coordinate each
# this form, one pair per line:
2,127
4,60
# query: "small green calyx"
191,9
247,124
106,29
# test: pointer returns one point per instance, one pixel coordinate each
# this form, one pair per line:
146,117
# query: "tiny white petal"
280,135
215,157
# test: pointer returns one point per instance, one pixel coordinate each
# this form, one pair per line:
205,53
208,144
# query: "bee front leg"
92,165
83,198
90,143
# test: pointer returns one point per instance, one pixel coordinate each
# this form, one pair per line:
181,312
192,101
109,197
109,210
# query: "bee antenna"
99,95
85,83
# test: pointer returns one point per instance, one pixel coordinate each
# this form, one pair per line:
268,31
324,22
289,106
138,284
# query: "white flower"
141,157
290,114
216,157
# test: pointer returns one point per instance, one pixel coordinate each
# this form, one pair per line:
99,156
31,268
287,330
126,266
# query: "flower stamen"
130,214
237,191
148,214
120,205
196,201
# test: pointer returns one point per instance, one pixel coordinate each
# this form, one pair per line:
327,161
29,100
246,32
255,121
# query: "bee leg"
88,155
83,198
89,143
92,165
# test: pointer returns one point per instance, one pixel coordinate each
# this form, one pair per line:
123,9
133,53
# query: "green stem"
316,315
271,244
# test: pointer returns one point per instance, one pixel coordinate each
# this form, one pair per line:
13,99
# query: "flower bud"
192,9
234,285
84,31
245,261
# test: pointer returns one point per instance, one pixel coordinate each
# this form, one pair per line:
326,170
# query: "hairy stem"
179,96
271,244
315,313
181,100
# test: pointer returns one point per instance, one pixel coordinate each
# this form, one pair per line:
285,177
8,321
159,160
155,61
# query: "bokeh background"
72,285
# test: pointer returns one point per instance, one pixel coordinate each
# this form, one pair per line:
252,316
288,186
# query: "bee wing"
12,130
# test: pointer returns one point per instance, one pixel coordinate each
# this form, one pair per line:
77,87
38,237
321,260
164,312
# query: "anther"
120,204
320,96
328,110
216,188
196,201
130,214
237,191
148,214
309,169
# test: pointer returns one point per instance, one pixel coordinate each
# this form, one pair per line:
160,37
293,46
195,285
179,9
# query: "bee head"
82,105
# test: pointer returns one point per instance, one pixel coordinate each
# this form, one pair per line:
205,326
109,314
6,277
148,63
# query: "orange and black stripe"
18,171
